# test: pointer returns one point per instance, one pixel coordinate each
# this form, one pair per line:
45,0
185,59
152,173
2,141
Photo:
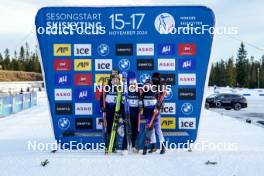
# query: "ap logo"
64,123
164,23
103,49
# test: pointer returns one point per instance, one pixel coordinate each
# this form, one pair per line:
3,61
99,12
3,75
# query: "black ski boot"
145,150
163,149
153,148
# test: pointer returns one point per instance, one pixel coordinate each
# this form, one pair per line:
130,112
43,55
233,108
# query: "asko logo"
62,64
187,123
166,49
187,49
187,64
82,64
83,94
124,49
103,64
83,79
62,49
63,94
188,79
168,123
82,49
62,79
166,64
83,108
145,64
145,49
168,109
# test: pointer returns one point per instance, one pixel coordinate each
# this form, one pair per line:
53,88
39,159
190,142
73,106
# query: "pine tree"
241,67
6,63
231,72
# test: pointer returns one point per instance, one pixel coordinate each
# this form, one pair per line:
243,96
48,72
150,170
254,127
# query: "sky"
17,22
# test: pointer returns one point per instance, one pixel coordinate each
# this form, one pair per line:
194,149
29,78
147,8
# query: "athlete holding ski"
108,105
152,103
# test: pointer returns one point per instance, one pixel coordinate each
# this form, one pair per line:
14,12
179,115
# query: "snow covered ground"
34,124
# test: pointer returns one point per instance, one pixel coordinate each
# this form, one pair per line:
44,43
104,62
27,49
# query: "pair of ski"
117,115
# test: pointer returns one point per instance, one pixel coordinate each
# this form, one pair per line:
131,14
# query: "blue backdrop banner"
81,45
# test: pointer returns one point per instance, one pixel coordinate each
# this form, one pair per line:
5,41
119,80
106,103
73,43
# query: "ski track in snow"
34,124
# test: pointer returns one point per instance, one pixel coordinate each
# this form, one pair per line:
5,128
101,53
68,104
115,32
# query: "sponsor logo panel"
63,94
82,64
186,64
83,108
62,49
166,49
83,94
187,123
187,108
62,64
145,49
103,49
166,64
62,79
63,108
169,79
100,78
188,79
82,49
187,49
168,109
84,123
168,123
103,64
187,93
124,49
83,79
64,123
145,64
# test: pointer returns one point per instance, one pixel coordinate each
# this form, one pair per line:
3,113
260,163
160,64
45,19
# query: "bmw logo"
144,77
103,49
124,64
169,95
64,123
187,108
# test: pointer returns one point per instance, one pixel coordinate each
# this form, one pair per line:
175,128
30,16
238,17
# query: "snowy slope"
34,124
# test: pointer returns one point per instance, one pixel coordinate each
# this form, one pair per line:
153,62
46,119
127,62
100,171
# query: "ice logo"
144,77
169,95
164,23
64,123
103,49
187,108
124,64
